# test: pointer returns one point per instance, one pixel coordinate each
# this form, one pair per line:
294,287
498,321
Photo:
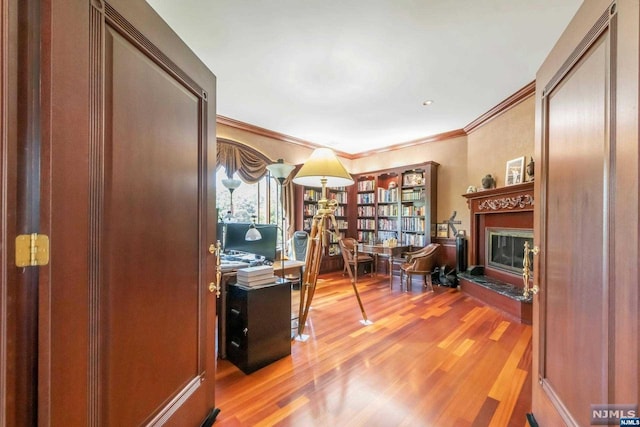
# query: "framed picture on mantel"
515,171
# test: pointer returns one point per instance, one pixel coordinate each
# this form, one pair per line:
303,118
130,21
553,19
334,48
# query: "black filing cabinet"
258,325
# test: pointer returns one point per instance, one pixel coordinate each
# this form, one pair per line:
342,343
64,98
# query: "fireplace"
501,221
505,248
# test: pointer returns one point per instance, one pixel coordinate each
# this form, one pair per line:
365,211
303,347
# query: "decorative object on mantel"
488,182
471,189
515,171
507,202
531,169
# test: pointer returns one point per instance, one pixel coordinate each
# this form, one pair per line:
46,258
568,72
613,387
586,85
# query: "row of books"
369,224
388,210
311,210
368,185
367,198
413,224
387,196
366,211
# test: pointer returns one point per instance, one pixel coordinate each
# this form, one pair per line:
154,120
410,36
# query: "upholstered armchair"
422,263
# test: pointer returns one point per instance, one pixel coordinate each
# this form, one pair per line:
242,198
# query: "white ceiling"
353,74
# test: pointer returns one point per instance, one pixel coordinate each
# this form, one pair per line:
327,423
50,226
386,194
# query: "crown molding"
257,130
508,103
511,101
433,138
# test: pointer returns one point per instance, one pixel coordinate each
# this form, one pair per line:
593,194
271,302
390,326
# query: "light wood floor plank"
429,359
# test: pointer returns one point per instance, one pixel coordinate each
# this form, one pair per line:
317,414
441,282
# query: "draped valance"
250,164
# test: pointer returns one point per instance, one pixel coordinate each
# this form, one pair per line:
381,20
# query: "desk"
290,265
385,251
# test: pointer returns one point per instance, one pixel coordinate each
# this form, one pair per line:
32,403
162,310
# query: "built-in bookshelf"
366,208
309,196
398,203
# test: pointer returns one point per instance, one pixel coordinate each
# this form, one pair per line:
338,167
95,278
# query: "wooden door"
580,351
126,320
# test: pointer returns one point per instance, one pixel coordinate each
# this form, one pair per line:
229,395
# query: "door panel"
585,347
151,291
576,258
127,324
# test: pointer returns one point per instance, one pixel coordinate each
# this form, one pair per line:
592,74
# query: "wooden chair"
352,259
421,262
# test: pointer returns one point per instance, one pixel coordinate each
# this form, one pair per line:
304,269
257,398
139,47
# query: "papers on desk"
256,276
232,265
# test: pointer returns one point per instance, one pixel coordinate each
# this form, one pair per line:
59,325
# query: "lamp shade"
252,234
280,170
231,184
323,164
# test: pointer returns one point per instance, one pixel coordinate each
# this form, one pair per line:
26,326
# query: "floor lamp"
281,171
324,168
231,184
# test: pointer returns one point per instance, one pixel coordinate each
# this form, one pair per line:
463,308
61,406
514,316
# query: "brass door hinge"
32,249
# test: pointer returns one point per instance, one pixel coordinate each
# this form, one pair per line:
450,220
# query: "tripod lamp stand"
324,168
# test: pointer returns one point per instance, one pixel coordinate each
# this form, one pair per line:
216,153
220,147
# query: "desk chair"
299,244
352,259
421,262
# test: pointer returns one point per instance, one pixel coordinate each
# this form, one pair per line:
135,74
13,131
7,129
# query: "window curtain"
288,200
251,166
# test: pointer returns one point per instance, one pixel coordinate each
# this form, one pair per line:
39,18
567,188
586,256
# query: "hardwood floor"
429,359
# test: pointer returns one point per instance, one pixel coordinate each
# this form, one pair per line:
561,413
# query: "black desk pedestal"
258,325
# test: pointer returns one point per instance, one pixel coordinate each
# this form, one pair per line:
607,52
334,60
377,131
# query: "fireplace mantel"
508,207
516,197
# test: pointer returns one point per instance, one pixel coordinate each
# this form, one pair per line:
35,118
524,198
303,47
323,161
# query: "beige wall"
507,136
464,161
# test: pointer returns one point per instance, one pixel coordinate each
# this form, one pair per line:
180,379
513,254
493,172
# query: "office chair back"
299,243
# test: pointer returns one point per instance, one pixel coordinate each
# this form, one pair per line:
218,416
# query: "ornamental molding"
520,202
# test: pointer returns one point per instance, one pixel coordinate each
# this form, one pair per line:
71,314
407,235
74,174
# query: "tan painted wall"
463,161
506,137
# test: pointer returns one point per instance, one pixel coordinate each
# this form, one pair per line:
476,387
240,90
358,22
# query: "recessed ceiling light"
427,102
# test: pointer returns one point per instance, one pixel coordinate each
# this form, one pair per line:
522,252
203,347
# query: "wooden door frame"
20,168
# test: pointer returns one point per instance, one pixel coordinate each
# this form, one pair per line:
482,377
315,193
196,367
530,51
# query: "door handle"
215,286
526,270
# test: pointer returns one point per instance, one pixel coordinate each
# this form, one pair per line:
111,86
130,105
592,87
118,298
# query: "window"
260,200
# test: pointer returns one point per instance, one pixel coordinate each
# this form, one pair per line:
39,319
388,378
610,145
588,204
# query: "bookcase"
397,203
309,196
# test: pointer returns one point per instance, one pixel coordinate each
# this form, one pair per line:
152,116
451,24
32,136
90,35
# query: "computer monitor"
265,247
